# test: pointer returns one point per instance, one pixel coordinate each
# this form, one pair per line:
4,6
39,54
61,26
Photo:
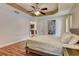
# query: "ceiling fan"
36,10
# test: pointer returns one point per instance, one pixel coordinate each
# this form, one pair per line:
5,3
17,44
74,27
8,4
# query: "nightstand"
71,51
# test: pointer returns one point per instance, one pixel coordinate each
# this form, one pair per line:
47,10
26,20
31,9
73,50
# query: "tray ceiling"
52,8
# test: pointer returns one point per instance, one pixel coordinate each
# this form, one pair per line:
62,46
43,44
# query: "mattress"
48,44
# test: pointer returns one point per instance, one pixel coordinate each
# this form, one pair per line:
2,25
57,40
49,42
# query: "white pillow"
74,40
66,37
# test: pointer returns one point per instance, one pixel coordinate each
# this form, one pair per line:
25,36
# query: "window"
33,29
68,23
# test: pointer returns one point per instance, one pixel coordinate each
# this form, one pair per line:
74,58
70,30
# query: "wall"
13,27
60,25
43,25
75,16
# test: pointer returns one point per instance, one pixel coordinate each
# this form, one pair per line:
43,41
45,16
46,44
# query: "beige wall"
13,27
43,25
75,16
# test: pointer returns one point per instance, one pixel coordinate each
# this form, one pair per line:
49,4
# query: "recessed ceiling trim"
16,6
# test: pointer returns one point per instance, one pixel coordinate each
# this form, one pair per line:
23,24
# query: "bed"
52,45
40,45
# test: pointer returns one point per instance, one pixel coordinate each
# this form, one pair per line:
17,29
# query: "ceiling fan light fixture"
37,13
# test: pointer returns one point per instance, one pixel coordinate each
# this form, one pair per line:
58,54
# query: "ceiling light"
37,13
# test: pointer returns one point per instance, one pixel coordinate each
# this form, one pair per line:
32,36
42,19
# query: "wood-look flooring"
17,49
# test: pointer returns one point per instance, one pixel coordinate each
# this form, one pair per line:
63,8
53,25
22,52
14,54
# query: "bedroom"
21,21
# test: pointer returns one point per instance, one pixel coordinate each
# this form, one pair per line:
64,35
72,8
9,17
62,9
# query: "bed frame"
39,53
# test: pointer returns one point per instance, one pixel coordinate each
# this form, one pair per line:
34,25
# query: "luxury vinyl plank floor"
17,49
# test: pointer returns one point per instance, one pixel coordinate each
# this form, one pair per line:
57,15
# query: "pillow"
74,40
66,37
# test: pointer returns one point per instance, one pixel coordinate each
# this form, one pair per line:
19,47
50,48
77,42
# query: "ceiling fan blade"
42,13
34,7
44,9
29,11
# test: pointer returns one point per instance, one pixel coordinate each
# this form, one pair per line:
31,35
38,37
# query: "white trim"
13,42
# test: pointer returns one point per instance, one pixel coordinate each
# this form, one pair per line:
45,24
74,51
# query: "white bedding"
47,43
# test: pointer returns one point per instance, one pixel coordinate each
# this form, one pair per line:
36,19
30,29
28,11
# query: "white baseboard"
13,42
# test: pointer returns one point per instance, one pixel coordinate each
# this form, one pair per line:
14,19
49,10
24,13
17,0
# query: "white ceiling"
50,6
63,8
